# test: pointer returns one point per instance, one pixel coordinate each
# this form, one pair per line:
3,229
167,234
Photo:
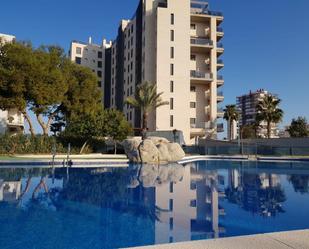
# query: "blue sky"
266,41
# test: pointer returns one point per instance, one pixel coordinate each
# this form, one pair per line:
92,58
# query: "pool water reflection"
144,205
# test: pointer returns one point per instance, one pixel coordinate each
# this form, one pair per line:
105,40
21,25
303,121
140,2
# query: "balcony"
220,48
220,78
200,77
220,33
200,45
220,113
220,96
220,64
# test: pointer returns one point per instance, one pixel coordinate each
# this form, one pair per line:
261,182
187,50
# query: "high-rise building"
176,45
11,120
247,105
97,58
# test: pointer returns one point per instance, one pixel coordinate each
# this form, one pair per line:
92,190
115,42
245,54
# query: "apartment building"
247,106
11,121
97,58
175,44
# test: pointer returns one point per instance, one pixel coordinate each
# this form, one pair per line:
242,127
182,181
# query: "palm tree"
145,99
231,114
268,111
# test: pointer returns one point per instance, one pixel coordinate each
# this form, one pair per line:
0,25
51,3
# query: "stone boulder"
153,150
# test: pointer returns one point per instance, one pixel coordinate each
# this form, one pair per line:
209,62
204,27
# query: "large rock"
153,150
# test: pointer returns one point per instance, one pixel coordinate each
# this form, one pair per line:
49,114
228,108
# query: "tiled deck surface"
284,240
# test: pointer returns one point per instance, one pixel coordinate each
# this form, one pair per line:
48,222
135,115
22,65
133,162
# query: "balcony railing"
220,61
219,77
200,75
220,94
198,10
219,45
220,110
201,41
219,29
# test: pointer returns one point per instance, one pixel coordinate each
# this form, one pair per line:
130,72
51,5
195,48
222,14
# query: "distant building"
247,105
12,120
97,58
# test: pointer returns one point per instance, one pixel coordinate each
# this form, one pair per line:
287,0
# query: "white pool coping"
283,240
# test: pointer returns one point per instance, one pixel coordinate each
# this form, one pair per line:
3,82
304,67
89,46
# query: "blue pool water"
145,205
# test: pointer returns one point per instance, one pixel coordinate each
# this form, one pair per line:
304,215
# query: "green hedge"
25,144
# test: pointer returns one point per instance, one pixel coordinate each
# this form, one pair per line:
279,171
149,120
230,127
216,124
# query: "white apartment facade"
92,56
247,104
11,121
176,45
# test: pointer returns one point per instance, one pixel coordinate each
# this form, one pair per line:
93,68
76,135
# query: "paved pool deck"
283,240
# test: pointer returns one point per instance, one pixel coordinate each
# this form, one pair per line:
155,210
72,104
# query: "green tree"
299,127
46,86
268,110
248,132
16,65
86,128
231,114
117,127
146,99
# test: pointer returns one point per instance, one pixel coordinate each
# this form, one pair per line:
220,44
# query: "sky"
266,41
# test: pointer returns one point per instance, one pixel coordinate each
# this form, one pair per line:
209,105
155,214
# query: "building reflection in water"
173,203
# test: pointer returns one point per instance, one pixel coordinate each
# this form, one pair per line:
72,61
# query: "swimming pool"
135,206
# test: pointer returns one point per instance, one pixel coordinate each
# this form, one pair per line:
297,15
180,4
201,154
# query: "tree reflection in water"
260,194
300,183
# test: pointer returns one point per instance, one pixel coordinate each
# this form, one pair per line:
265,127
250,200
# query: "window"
78,60
192,121
172,35
172,86
192,105
99,83
172,52
171,187
99,73
172,69
172,19
193,203
192,89
171,223
193,57
171,103
78,50
100,64
171,121
100,54
193,26
171,205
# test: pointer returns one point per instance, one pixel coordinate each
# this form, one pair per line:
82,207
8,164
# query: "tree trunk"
45,127
268,129
83,147
144,127
115,147
31,129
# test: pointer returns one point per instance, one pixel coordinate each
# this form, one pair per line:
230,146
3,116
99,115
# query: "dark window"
99,83
171,103
172,19
99,73
172,52
100,54
171,121
171,204
192,89
192,121
193,203
171,187
78,60
193,26
172,86
192,105
100,64
172,69
171,223
193,57
172,35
